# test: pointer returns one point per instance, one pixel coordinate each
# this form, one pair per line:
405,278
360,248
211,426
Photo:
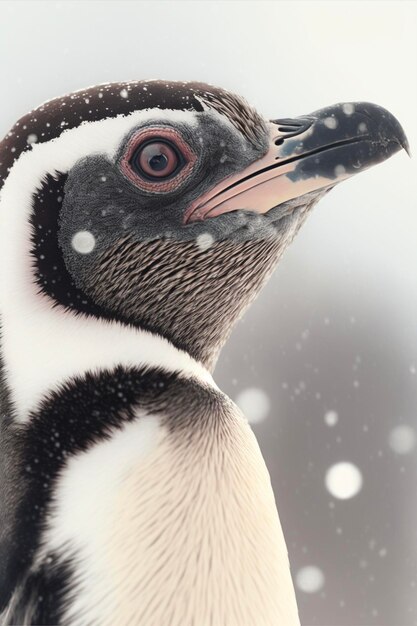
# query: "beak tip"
401,138
402,141
397,132
406,146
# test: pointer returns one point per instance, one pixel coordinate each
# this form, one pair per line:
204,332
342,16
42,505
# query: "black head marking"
51,273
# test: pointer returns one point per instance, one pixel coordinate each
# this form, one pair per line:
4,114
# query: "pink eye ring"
157,159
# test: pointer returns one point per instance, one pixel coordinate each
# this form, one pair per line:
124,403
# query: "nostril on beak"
293,127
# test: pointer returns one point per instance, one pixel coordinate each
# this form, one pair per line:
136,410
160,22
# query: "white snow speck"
310,579
343,480
331,418
32,138
254,403
103,179
362,128
331,122
402,439
100,95
124,93
205,241
348,108
83,242
339,170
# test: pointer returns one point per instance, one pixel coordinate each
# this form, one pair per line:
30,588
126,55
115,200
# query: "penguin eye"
156,160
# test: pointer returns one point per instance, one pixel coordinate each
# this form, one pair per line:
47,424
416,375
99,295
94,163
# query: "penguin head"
166,205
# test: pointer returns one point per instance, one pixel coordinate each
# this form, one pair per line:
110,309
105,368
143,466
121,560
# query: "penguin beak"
306,154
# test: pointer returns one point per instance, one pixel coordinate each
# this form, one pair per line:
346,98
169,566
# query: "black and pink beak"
306,154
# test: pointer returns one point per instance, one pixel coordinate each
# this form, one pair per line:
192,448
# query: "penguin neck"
191,297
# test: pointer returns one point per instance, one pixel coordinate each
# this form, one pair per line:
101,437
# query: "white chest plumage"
170,530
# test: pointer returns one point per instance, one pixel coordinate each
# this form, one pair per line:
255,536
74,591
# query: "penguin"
138,220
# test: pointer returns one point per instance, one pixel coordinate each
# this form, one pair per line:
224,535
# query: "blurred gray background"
325,362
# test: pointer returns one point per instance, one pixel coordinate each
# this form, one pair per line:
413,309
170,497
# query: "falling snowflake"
402,439
204,241
331,122
254,403
343,480
310,579
83,242
348,108
331,418
339,170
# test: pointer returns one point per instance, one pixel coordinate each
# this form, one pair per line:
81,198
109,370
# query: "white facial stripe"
104,136
42,345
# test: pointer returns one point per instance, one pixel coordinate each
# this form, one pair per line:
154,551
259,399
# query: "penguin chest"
173,527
